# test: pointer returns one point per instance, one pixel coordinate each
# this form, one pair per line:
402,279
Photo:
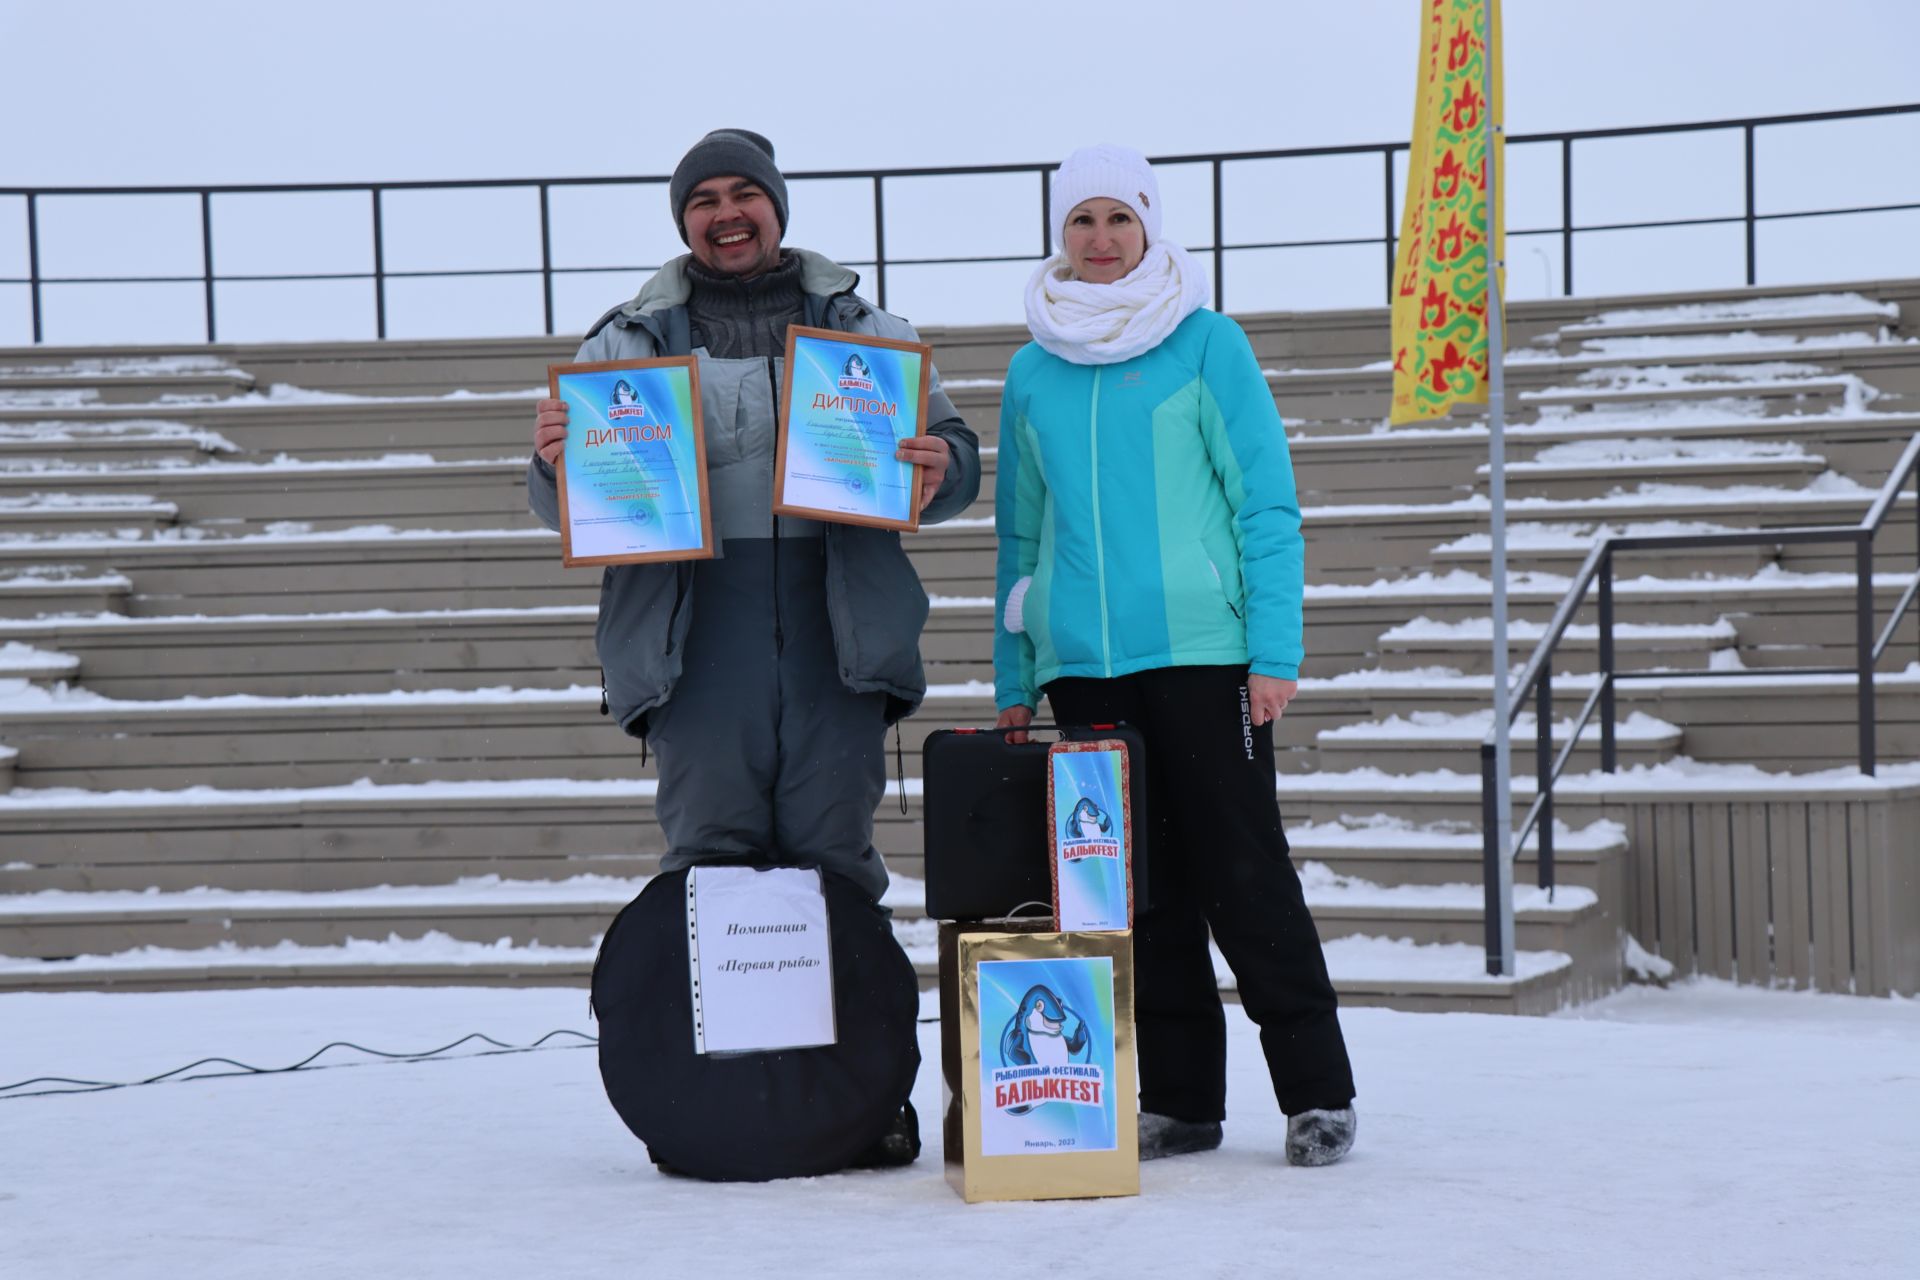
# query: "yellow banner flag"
1440,267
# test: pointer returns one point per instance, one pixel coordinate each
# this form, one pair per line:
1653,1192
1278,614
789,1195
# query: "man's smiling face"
733,227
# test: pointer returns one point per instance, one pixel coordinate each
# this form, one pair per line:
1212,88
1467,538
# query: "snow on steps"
407,737
313,424
1592,468
233,498
1467,645
31,589
1450,796
22,662
1379,847
296,654
489,931
1746,344
1776,384
112,515
1408,744
35,445
574,911
1562,547
1803,312
122,380
1789,723
1366,971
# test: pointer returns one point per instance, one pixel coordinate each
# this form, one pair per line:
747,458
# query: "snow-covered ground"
1701,1131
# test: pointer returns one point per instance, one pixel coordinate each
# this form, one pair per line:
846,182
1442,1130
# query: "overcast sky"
132,91
108,92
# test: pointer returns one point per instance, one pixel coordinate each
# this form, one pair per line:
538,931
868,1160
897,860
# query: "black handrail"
1536,678
1216,250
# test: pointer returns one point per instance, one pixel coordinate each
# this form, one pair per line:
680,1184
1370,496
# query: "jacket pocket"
644,613
1223,572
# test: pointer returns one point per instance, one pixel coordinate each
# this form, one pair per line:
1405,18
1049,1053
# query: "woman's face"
1104,241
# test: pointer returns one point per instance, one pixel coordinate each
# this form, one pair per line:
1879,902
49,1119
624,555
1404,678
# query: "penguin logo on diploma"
855,375
624,402
1037,1035
1088,821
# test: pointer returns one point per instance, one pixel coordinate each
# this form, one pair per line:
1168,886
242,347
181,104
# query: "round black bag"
754,1116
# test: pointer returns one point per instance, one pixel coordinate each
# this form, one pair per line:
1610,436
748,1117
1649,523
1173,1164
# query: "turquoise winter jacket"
1152,504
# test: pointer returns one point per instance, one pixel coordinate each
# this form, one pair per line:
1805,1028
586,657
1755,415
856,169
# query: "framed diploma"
848,402
633,477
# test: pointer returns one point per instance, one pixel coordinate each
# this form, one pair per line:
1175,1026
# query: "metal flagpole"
1497,493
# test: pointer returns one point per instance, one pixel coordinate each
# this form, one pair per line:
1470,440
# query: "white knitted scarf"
1107,323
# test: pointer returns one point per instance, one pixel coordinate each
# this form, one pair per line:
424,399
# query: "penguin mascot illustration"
1036,1036
1088,821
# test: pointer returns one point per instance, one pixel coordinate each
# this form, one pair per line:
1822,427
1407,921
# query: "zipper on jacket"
1099,551
779,634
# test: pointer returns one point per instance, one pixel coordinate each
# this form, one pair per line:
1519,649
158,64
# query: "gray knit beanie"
739,152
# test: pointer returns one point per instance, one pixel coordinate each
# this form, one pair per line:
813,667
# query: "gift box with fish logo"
1038,1058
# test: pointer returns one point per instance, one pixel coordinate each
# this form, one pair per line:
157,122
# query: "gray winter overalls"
764,679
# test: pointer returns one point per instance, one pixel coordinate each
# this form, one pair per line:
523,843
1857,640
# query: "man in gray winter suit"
765,678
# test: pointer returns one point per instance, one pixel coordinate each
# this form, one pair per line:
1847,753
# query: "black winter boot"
898,1147
1165,1136
1315,1138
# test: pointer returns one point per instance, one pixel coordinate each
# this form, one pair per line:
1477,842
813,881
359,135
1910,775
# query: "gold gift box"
1051,1173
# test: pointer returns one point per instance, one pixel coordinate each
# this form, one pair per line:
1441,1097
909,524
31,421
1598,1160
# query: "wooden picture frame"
658,534
811,492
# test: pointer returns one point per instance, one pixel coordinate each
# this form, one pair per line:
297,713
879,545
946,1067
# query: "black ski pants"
1217,859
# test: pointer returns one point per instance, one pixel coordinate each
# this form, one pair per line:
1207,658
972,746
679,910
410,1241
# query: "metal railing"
1216,249
1536,678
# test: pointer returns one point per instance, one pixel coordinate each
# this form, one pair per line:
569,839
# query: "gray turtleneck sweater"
738,319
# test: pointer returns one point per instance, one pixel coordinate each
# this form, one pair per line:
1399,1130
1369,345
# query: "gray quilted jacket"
874,598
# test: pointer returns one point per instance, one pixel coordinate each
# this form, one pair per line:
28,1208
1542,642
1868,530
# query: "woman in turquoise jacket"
1151,570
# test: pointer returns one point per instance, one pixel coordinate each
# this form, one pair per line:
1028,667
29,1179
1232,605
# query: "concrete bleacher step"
1563,473
1416,743
362,834
121,380
318,429
1385,850
1815,315
468,736
235,497
1468,646
1364,542
308,654
27,446
31,510
1435,978
1811,393
575,912
1563,548
23,664
348,570
494,931
34,589
1784,723
1344,622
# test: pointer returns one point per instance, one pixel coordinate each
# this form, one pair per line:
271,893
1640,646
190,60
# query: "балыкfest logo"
1088,833
1045,1053
625,402
855,375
